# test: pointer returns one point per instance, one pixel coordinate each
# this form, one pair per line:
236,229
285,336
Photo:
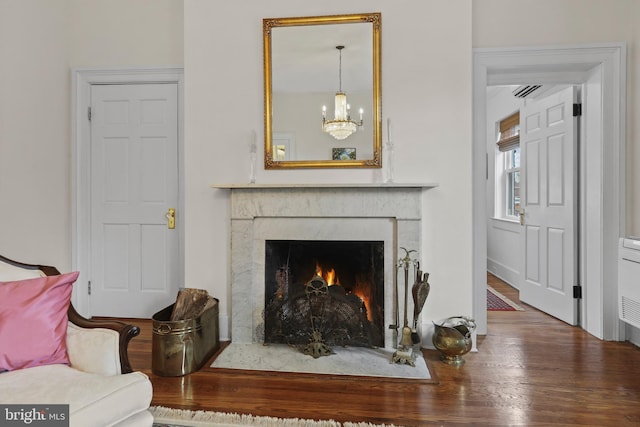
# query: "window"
512,184
508,176
284,145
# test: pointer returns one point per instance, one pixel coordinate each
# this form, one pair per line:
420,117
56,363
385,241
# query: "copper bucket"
452,337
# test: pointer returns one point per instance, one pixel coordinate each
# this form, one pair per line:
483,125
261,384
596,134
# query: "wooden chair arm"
126,331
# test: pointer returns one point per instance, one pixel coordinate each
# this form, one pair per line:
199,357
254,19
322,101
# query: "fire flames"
329,276
362,288
363,291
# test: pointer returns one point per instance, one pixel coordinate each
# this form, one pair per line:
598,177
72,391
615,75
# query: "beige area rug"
358,361
167,417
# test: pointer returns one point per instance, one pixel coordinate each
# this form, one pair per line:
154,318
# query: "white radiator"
629,281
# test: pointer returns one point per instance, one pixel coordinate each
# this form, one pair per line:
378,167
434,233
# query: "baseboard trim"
633,335
223,322
501,271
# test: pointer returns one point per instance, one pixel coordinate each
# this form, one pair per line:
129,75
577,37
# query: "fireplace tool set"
419,291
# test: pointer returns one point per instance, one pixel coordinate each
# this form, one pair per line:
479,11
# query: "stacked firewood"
191,303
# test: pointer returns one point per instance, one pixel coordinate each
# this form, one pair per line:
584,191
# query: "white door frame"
602,161
82,79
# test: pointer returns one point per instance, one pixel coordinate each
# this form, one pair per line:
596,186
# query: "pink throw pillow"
33,321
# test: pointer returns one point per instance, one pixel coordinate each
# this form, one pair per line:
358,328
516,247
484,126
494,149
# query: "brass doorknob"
171,218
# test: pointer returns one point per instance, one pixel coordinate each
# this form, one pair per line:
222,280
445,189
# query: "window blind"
509,137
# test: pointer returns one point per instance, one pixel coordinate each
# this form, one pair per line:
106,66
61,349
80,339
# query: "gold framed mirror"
322,93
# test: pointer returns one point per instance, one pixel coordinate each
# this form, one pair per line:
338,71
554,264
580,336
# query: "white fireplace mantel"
389,212
338,185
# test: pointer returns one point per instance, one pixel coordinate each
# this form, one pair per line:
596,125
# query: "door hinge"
577,292
577,110
486,166
89,287
89,113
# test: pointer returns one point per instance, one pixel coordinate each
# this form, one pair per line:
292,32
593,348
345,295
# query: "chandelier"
341,126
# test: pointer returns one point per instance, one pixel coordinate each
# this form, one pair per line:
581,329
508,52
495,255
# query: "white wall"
503,236
40,42
633,127
426,90
633,150
125,33
34,131
499,23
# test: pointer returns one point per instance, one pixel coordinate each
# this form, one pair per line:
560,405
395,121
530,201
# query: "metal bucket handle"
163,329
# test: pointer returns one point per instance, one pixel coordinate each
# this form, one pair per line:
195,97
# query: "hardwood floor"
530,370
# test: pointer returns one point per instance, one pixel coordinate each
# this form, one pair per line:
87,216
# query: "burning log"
318,318
282,278
324,294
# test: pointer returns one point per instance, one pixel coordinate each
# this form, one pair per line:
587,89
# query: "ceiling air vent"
525,91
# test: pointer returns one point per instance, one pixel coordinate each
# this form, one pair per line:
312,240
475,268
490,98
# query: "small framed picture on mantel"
343,154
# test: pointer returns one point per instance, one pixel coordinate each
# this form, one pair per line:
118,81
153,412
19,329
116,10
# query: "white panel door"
548,147
134,182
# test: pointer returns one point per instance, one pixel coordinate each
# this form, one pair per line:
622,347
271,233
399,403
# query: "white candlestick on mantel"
388,163
253,151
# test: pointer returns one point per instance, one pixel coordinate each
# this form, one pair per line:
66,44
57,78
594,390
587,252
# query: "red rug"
498,302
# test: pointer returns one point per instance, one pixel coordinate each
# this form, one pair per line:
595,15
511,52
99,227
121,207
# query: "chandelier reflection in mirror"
341,126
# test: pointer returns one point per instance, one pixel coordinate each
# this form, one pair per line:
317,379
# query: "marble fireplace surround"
382,212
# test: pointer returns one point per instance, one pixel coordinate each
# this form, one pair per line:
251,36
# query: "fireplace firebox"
320,294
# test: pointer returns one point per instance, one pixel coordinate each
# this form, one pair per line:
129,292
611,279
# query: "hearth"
320,294
322,212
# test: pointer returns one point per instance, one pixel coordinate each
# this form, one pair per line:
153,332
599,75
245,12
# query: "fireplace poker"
406,331
396,308
404,353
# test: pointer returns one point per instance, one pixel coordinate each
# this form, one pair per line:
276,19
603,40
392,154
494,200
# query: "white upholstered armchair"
89,367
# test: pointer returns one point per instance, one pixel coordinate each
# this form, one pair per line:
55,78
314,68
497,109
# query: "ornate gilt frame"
268,24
